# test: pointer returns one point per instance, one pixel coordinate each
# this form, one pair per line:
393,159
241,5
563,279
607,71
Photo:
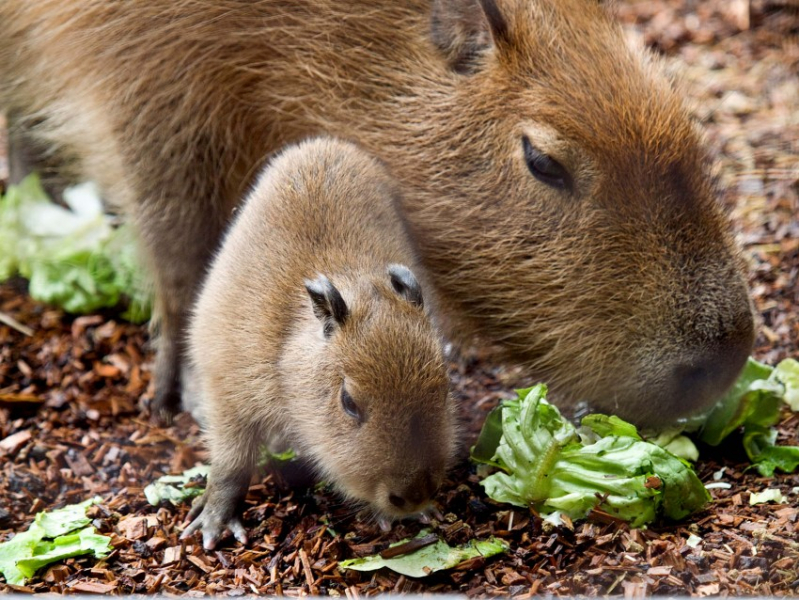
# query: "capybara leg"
21,156
180,243
27,155
234,443
166,403
216,511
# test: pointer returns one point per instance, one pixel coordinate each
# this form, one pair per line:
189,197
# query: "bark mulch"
71,427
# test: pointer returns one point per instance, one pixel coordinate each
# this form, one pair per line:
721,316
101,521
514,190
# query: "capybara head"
379,421
578,226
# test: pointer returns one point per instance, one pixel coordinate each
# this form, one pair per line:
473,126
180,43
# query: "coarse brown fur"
624,289
268,371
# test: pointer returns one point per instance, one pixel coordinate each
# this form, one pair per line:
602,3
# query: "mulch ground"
70,424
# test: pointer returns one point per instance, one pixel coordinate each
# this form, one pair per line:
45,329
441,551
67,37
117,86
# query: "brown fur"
269,375
625,291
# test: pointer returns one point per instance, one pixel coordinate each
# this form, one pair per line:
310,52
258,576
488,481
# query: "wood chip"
92,587
14,442
172,555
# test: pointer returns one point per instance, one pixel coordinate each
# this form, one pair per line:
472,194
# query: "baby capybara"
312,331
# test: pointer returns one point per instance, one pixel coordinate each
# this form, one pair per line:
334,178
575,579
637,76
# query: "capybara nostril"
701,380
408,499
418,490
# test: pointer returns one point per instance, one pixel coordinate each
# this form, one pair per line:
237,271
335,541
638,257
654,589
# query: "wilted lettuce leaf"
427,560
546,463
673,440
787,373
761,446
171,487
85,541
754,403
753,399
768,495
51,537
73,257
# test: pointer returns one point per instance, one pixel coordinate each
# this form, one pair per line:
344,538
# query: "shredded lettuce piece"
171,487
53,536
755,398
754,404
276,460
546,463
767,495
787,373
429,559
73,257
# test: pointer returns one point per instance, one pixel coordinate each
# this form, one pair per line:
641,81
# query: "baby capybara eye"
350,407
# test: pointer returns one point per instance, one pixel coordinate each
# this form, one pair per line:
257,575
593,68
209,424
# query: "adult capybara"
556,186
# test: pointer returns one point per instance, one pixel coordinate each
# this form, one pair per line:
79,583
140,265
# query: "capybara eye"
349,406
545,168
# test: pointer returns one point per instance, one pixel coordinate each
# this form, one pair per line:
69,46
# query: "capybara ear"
405,284
464,29
328,305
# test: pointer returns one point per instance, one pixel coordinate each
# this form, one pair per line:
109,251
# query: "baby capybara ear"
464,29
328,305
405,284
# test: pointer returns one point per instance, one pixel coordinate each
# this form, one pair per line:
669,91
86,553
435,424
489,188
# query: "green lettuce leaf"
761,446
483,451
787,373
28,192
73,257
672,440
754,404
171,487
17,548
63,520
753,398
85,541
545,462
51,537
429,559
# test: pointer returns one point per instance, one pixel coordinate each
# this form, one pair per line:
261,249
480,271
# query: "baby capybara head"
614,274
380,423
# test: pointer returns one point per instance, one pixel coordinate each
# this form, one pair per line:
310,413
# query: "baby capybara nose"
416,492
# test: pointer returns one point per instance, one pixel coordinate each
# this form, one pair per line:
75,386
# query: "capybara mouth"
689,387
